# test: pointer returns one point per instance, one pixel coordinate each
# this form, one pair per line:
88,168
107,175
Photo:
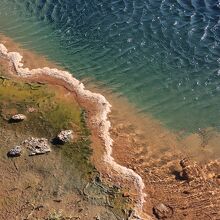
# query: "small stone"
18,118
97,217
37,146
57,200
15,152
190,170
65,136
125,194
31,110
162,211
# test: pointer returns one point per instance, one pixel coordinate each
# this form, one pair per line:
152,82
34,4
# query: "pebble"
18,118
15,152
65,136
162,211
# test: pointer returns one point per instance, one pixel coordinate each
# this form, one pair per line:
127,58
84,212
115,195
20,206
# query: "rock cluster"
65,136
37,146
40,145
18,118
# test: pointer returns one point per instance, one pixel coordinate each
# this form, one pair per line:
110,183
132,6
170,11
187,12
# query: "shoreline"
150,150
99,120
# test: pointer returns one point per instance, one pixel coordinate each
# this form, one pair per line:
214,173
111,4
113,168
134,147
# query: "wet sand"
154,152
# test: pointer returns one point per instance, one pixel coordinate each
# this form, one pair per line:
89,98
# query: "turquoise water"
163,55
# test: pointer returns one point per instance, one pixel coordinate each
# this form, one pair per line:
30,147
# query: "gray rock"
65,136
18,117
37,146
162,211
15,152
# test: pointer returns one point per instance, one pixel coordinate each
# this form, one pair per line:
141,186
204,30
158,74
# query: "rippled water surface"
164,55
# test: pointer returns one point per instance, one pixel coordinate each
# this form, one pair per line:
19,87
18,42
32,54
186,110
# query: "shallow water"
163,55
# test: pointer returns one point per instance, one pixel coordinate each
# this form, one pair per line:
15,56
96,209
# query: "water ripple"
162,54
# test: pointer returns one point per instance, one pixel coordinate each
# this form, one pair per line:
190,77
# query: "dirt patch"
62,184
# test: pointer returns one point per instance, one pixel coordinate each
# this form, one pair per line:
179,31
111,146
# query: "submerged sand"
148,153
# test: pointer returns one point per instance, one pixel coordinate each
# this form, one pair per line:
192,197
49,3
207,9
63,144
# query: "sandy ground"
41,187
